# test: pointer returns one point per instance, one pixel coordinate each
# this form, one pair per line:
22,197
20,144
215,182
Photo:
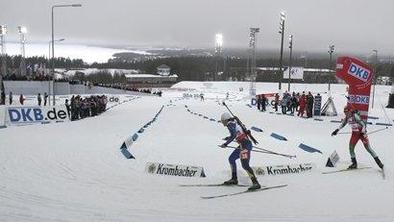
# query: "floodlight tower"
22,31
290,60
282,34
218,52
330,51
3,71
252,63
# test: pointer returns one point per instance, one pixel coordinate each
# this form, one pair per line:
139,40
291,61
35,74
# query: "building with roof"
150,80
163,70
310,75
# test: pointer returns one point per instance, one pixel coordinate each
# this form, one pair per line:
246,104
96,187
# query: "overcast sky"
352,25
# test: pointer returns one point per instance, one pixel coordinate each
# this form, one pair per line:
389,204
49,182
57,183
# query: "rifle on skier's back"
247,131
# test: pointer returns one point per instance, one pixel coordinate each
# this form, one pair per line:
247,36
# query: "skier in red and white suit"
358,133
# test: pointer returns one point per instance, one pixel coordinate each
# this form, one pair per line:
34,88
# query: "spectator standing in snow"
309,101
39,99
45,99
10,98
302,102
276,102
2,98
21,99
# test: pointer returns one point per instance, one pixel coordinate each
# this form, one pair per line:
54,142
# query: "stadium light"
219,40
22,30
290,60
330,51
282,33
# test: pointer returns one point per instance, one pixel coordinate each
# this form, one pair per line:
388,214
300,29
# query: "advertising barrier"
317,105
174,170
24,115
296,73
284,169
358,75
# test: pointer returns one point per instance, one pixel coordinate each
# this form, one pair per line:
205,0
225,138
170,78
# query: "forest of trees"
188,68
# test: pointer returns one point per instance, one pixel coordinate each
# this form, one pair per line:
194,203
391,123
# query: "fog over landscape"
353,26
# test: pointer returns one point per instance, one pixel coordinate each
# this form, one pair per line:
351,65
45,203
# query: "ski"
244,192
213,185
383,173
344,170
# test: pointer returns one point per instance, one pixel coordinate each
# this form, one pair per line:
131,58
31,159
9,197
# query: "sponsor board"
359,72
23,115
295,73
359,99
174,170
317,106
113,99
333,159
284,169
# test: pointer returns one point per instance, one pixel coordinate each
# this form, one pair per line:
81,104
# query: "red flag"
358,75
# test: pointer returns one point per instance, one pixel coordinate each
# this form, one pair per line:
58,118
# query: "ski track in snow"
74,171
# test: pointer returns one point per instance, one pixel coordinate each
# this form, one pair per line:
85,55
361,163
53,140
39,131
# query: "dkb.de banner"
358,75
23,115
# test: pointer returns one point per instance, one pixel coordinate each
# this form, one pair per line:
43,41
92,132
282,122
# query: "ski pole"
378,130
272,152
267,152
372,132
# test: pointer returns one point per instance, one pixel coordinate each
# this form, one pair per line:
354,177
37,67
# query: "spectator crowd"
291,104
80,108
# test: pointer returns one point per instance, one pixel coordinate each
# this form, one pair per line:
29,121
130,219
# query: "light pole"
3,32
53,44
290,57
49,57
330,51
49,47
22,30
282,33
218,53
374,77
252,63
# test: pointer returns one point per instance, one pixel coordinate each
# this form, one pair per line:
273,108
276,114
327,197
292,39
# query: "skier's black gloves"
223,145
335,132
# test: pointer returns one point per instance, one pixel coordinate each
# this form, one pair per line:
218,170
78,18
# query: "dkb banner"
358,75
23,115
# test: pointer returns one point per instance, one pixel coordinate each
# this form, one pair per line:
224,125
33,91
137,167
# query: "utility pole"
282,34
330,51
252,53
290,61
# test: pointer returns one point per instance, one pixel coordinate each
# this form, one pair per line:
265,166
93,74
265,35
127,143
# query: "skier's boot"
380,164
354,164
232,181
255,185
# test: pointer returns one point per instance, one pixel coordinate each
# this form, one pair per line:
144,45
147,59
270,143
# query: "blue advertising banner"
317,106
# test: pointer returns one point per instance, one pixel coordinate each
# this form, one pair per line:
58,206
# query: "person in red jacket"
359,132
302,100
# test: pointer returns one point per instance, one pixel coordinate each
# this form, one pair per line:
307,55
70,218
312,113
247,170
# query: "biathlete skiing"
242,152
359,131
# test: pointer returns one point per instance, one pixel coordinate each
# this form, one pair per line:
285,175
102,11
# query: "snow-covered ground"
74,171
